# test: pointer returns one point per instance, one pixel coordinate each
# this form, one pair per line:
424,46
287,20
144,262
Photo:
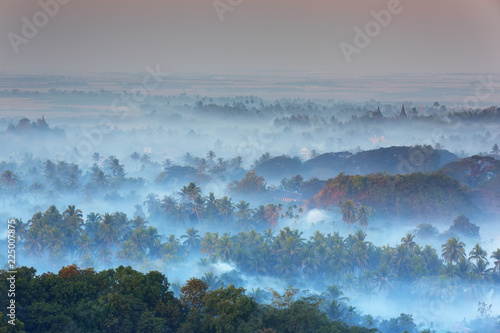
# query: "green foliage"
85,301
250,184
124,300
415,194
463,227
230,310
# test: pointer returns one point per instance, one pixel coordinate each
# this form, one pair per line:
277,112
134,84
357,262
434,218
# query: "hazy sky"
257,35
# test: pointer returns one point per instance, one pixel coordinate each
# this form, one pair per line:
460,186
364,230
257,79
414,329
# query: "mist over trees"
192,213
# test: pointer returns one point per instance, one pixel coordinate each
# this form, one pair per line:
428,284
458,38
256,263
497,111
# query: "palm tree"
363,216
138,222
259,215
73,220
289,212
9,178
208,243
496,256
188,158
121,223
348,210
153,204
462,269
85,245
481,270
98,179
333,293
257,264
450,271
359,249
211,155
408,242
478,253
211,280
180,215
202,166
338,259
221,163
21,228
174,242
168,205
93,218
104,257
359,237
259,295
197,207
225,208
128,252
224,247
34,245
273,215
92,224
192,239
268,235
210,206
243,210
72,212
285,266
453,250
145,160
383,277
236,162
167,164
244,215
335,310
310,264
189,193
53,239
135,156
291,246
401,259
116,168
107,231
335,302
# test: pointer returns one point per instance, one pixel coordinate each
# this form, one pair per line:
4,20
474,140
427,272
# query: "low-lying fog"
109,151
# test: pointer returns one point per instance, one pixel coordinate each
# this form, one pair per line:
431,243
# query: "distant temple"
377,113
41,123
39,126
403,112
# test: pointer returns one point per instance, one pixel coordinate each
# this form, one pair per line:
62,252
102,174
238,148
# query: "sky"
251,36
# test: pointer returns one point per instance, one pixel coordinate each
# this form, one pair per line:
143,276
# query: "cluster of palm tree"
352,214
352,262
99,240
9,179
328,259
207,168
191,206
61,176
33,176
475,267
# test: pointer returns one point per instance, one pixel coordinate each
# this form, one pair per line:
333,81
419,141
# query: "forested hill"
415,195
482,175
475,171
124,300
396,160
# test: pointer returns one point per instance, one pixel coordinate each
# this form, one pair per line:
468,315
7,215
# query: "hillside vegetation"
415,194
